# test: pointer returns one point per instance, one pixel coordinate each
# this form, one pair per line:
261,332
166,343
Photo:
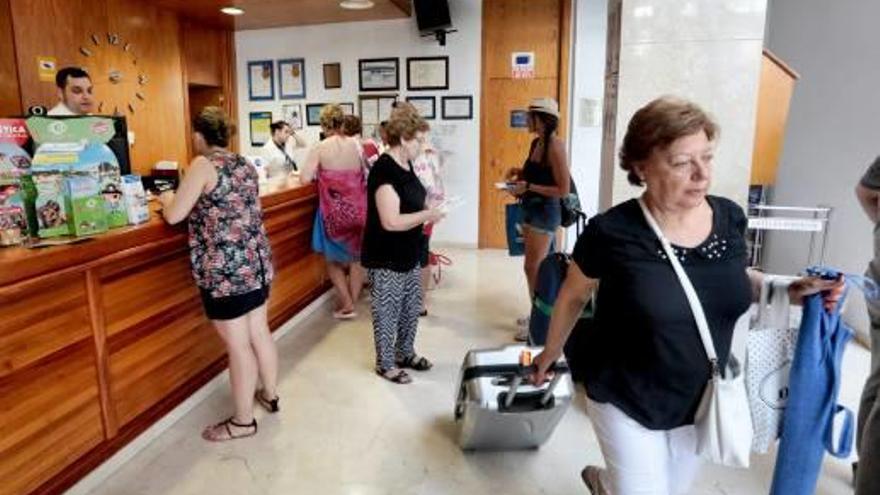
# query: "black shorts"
425,251
231,307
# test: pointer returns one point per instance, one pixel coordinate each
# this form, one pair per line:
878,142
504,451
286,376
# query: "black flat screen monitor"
432,15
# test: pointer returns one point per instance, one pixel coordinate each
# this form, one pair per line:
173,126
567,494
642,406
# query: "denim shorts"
542,214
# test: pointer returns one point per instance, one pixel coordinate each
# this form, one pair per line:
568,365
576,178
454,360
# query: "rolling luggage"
497,409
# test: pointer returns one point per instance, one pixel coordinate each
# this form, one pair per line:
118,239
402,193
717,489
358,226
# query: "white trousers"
640,461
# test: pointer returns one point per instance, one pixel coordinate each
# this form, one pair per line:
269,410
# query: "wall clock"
119,80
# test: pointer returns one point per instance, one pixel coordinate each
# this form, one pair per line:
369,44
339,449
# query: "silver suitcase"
497,409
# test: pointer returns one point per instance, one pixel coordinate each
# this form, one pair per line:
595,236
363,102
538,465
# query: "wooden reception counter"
99,340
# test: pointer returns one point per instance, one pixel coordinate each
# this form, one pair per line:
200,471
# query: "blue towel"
808,422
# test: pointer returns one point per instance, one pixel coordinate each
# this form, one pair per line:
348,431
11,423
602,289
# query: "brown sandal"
215,433
269,405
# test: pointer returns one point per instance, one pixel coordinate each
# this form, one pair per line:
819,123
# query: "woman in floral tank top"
231,264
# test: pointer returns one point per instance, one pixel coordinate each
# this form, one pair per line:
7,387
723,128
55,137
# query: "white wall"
708,51
588,83
346,43
833,130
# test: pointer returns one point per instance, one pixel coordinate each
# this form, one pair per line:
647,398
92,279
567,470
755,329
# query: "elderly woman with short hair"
646,367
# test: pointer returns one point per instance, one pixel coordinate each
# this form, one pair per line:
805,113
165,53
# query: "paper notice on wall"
523,65
47,67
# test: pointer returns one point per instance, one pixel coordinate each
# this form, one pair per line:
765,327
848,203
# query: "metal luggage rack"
812,220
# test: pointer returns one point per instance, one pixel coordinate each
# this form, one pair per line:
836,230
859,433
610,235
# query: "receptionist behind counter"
74,92
278,151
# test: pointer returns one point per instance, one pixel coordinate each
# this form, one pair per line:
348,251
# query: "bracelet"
528,185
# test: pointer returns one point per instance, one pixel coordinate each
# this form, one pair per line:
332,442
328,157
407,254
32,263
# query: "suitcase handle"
490,370
558,369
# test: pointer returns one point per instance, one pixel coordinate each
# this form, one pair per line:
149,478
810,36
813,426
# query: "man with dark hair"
279,150
74,92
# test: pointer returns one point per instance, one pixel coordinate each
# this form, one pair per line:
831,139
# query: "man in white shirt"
278,151
74,92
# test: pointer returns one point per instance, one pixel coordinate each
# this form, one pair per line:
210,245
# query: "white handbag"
771,345
723,422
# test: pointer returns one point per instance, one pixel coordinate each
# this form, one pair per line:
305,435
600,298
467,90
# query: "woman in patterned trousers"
396,214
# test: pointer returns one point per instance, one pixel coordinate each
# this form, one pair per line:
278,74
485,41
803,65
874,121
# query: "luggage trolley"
812,220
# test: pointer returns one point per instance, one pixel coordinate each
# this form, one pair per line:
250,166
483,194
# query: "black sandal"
269,405
210,433
394,375
415,362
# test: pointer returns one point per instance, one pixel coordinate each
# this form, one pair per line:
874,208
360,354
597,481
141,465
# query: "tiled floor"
343,430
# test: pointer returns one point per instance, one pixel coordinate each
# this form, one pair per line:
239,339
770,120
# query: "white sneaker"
522,335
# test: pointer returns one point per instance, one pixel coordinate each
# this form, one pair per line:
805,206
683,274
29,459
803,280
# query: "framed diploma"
426,106
261,80
291,78
457,107
427,73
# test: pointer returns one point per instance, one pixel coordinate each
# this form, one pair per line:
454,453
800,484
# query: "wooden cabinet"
774,95
99,340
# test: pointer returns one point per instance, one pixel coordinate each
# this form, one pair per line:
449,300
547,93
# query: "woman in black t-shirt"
645,367
396,215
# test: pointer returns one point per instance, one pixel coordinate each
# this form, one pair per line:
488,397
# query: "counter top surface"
20,263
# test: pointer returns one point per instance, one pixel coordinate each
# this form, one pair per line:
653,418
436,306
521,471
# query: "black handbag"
571,206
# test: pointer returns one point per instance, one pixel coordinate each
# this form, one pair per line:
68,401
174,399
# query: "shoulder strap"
693,300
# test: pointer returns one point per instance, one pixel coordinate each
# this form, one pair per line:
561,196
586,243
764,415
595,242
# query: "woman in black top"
396,215
540,184
646,367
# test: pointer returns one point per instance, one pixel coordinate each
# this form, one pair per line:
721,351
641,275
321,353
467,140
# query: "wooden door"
509,26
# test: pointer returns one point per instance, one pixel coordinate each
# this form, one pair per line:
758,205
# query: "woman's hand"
435,214
832,290
166,198
512,174
542,362
518,188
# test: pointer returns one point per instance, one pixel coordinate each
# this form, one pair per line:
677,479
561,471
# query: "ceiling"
261,14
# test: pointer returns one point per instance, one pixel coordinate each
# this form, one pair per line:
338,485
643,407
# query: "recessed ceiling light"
356,4
232,11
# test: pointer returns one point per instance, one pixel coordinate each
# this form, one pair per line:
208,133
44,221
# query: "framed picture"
427,73
291,78
376,108
379,74
426,105
332,76
457,107
293,115
261,80
347,108
313,113
259,126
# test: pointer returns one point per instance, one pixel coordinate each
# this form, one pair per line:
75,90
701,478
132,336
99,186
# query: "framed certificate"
457,107
259,126
379,74
427,73
291,78
347,108
426,106
261,80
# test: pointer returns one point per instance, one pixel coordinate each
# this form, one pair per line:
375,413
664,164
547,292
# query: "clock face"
119,80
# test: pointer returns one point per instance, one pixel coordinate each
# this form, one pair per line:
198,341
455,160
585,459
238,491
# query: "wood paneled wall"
10,98
157,37
98,340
